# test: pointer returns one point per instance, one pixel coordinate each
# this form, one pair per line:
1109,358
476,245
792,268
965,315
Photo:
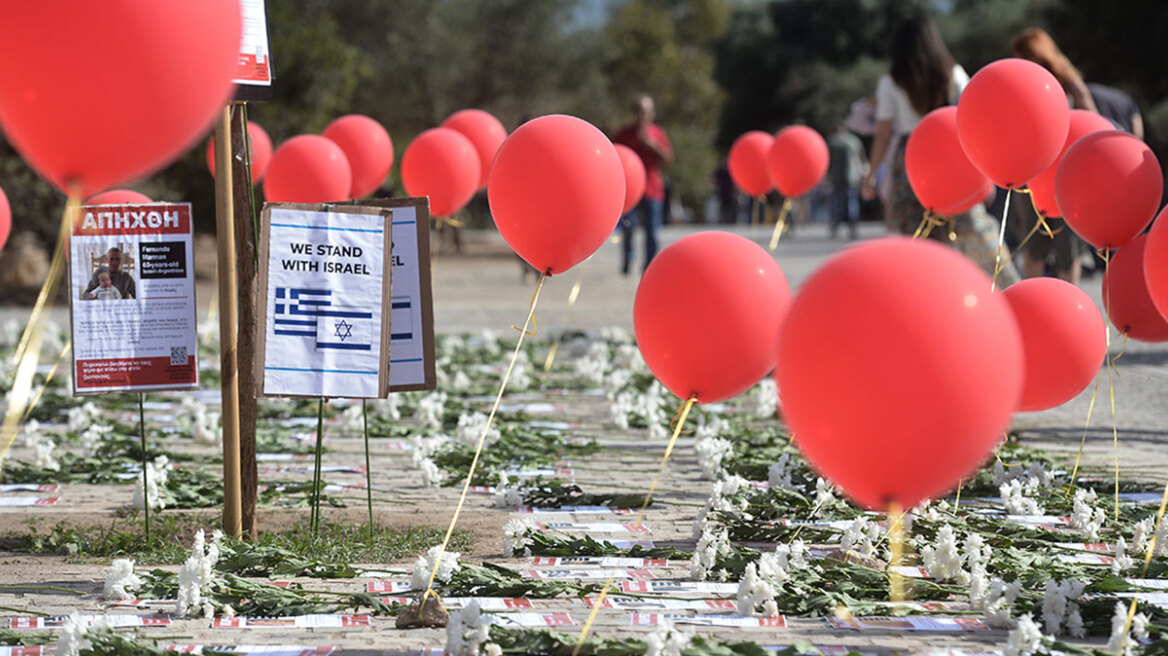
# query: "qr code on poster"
178,356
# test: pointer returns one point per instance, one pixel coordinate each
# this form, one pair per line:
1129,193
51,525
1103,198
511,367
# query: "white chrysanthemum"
450,346
1122,559
615,334
81,416
92,437
196,577
121,582
943,562
756,595
517,536
471,428
766,398
622,408
616,381
861,536
629,357
792,556
468,631
425,565
713,427
1024,639
728,496
72,638
713,543
491,649
426,447
1139,629
460,382
432,475
157,475
651,406
824,493
998,603
779,473
508,494
43,447
388,408
1086,517
710,452
521,374
1016,501
1058,604
430,409
667,640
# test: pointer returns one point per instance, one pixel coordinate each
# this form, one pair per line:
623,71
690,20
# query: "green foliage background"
717,68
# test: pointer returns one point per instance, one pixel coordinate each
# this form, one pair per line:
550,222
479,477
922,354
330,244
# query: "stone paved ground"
483,288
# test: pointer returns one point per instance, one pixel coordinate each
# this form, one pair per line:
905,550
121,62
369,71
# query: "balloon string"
479,447
928,222
1041,217
1041,224
957,502
48,379
551,356
29,349
896,545
1106,255
1083,443
681,416
531,314
1148,553
1001,241
780,224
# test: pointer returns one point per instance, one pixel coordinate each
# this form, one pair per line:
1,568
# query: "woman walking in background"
924,77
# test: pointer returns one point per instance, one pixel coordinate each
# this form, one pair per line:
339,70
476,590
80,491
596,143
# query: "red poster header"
152,219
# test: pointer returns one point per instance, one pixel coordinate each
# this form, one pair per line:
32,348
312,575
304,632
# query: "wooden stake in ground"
246,273
225,236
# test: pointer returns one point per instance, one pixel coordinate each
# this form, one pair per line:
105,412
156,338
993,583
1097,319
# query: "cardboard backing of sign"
385,300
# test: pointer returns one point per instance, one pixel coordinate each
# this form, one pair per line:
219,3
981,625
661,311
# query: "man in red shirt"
651,144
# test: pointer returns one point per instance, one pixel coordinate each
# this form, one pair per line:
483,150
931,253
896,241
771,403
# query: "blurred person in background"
652,145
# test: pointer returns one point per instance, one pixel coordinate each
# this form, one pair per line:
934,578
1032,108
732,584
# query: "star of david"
344,329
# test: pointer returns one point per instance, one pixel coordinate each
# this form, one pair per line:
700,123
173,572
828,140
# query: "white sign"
132,291
253,67
327,323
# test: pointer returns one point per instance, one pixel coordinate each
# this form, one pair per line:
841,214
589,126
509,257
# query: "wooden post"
225,236
245,266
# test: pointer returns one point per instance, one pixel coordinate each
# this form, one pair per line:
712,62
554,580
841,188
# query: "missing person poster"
132,291
326,329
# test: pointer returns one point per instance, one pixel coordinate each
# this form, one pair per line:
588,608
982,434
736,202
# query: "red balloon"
484,131
940,174
441,163
1156,263
1063,340
368,148
5,218
308,169
556,191
1126,298
99,93
797,160
119,197
1012,119
707,315
1083,123
1108,187
634,176
259,150
748,163
928,362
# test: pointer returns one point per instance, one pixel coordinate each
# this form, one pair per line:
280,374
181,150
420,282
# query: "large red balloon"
259,150
748,163
5,218
119,197
1108,187
484,131
441,163
898,370
368,148
939,172
1012,119
634,176
308,169
1063,340
1083,123
99,93
1126,298
797,160
707,315
1156,263
556,191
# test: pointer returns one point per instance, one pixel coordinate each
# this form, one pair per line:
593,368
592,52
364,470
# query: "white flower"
943,562
667,640
728,496
779,473
520,373
1025,638
72,639
425,565
824,493
616,381
711,451
471,428
432,476
629,358
712,544
507,495
431,408
594,364
461,382
388,408
792,556
621,408
121,581
1058,603
467,631
196,578
450,345
998,602
1139,629
491,649
425,447
43,447
157,475
1123,561
652,408
81,416
517,536
713,427
92,437
861,536
761,581
490,342
766,398
615,334
1086,517
1015,499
